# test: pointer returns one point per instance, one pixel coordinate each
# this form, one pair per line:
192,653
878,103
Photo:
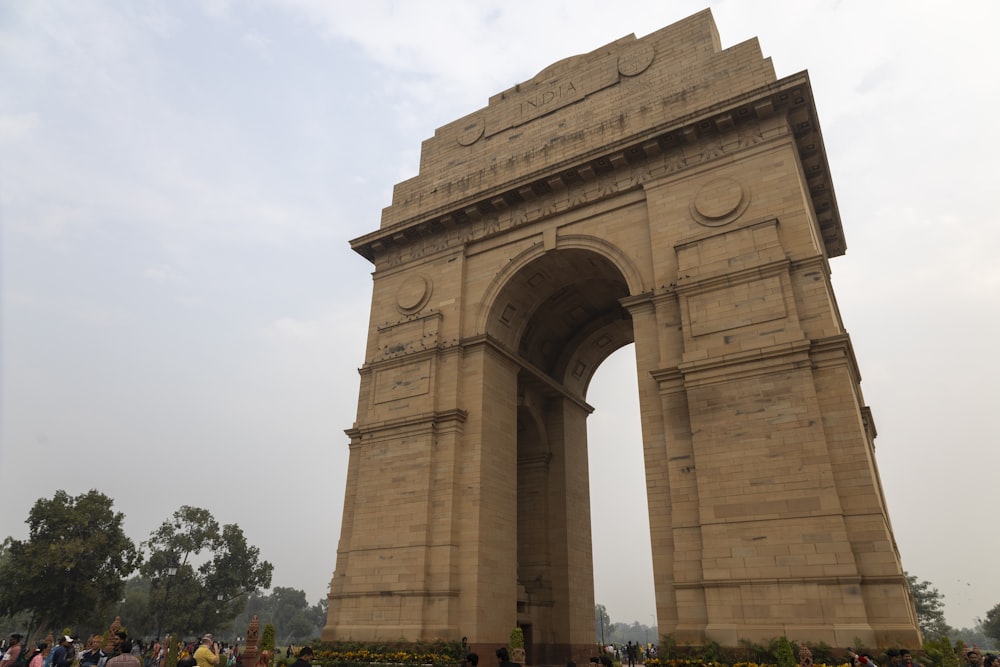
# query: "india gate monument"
660,191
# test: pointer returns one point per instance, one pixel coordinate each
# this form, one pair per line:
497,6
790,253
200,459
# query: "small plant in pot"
517,646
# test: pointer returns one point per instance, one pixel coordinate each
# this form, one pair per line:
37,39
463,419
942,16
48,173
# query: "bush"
267,638
785,654
438,652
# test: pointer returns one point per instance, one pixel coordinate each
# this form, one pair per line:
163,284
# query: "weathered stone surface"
662,191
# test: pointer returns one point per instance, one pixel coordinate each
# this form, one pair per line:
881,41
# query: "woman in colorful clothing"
38,657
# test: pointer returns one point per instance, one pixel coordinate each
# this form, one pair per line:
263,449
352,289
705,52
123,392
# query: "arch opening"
561,316
622,551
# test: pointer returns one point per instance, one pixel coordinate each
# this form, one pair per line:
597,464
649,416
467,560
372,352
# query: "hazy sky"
183,319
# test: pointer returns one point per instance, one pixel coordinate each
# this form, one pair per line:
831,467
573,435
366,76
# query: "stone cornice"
428,421
784,108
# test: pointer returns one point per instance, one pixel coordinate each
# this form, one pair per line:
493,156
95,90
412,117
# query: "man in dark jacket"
63,654
305,655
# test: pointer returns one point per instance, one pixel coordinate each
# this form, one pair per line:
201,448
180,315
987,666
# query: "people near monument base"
124,657
907,658
305,655
63,654
13,651
503,658
208,653
860,660
156,651
186,656
471,659
630,652
38,656
94,656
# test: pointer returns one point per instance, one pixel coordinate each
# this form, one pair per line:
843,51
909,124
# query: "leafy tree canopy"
991,624
73,565
287,609
201,573
602,623
930,608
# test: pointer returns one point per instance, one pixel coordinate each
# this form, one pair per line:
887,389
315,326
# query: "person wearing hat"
38,657
207,654
61,656
14,650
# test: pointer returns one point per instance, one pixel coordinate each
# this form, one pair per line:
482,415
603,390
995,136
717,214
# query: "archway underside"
562,314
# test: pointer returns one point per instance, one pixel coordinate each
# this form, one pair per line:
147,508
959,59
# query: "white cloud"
288,327
163,275
17,126
260,44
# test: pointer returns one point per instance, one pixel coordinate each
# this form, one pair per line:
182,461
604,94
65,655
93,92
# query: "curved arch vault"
662,191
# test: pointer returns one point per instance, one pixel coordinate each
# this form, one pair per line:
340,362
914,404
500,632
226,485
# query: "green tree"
939,652
974,636
319,612
136,607
72,568
991,624
295,621
602,623
784,653
201,574
267,644
930,608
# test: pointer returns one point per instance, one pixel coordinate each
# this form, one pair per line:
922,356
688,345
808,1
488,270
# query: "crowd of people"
632,653
903,657
128,652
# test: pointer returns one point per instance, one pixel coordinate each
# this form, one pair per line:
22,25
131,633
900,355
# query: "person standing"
503,658
125,658
13,651
305,655
207,655
907,658
38,657
61,655
94,655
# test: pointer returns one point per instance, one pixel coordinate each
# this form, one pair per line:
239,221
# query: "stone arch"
561,312
543,232
607,250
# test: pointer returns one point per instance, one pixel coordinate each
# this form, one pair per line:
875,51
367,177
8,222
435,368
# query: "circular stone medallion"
720,201
413,294
634,60
471,131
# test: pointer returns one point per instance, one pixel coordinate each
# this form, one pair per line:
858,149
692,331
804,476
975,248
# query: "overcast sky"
183,319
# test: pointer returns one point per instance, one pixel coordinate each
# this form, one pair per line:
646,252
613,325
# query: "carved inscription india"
558,95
